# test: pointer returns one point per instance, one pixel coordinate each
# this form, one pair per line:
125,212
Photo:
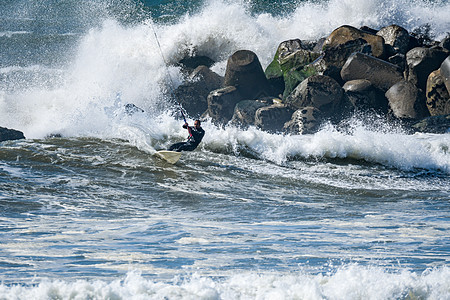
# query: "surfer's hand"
185,125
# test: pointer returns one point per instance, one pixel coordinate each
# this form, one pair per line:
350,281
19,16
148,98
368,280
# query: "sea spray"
348,282
380,144
115,57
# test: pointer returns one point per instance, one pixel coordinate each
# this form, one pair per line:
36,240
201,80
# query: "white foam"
376,145
9,34
348,282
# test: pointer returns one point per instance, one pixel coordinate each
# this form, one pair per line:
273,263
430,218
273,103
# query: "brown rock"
438,99
347,33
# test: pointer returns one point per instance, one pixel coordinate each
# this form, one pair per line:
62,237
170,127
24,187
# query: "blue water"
92,214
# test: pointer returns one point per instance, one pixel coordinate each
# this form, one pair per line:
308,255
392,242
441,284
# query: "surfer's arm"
189,128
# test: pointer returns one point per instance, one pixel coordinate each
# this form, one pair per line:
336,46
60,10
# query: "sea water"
87,211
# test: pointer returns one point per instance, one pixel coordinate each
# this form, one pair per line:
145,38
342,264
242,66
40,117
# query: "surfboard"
170,156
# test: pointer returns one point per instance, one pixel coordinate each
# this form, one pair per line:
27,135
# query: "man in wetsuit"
196,134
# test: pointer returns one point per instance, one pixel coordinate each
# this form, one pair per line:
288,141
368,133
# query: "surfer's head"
197,123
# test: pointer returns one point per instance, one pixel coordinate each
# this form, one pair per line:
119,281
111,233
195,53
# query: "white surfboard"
170,156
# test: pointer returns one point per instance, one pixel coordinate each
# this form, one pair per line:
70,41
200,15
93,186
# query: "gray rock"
221,104
338,55
319,91
334,58
436,124
399,60
192,95
7,134
245,112
364,96
395,36
380,73
438,99
245,72
272,118
359,85
421,62
304,121
445,43
207,77
406,101
190,63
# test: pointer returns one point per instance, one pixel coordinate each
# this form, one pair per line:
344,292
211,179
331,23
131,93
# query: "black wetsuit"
195,137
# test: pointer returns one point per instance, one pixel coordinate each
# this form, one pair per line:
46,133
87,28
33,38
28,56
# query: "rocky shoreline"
401,76
390,73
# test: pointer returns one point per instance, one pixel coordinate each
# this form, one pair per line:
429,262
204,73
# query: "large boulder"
192,95
347,33
272,118
334,58
421,62
395,36
337,55
364,96
445,72
406,101
319,91
380,73
438,99
290,66
244,71
245,111
221,103
7,134
304,121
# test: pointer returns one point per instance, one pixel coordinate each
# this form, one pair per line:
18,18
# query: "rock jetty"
390,72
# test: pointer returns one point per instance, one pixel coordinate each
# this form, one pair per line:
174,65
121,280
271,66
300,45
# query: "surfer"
196,134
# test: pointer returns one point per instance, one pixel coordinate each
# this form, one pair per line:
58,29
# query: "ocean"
88,212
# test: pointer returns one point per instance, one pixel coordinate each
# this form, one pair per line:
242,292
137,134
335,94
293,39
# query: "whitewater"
87,211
